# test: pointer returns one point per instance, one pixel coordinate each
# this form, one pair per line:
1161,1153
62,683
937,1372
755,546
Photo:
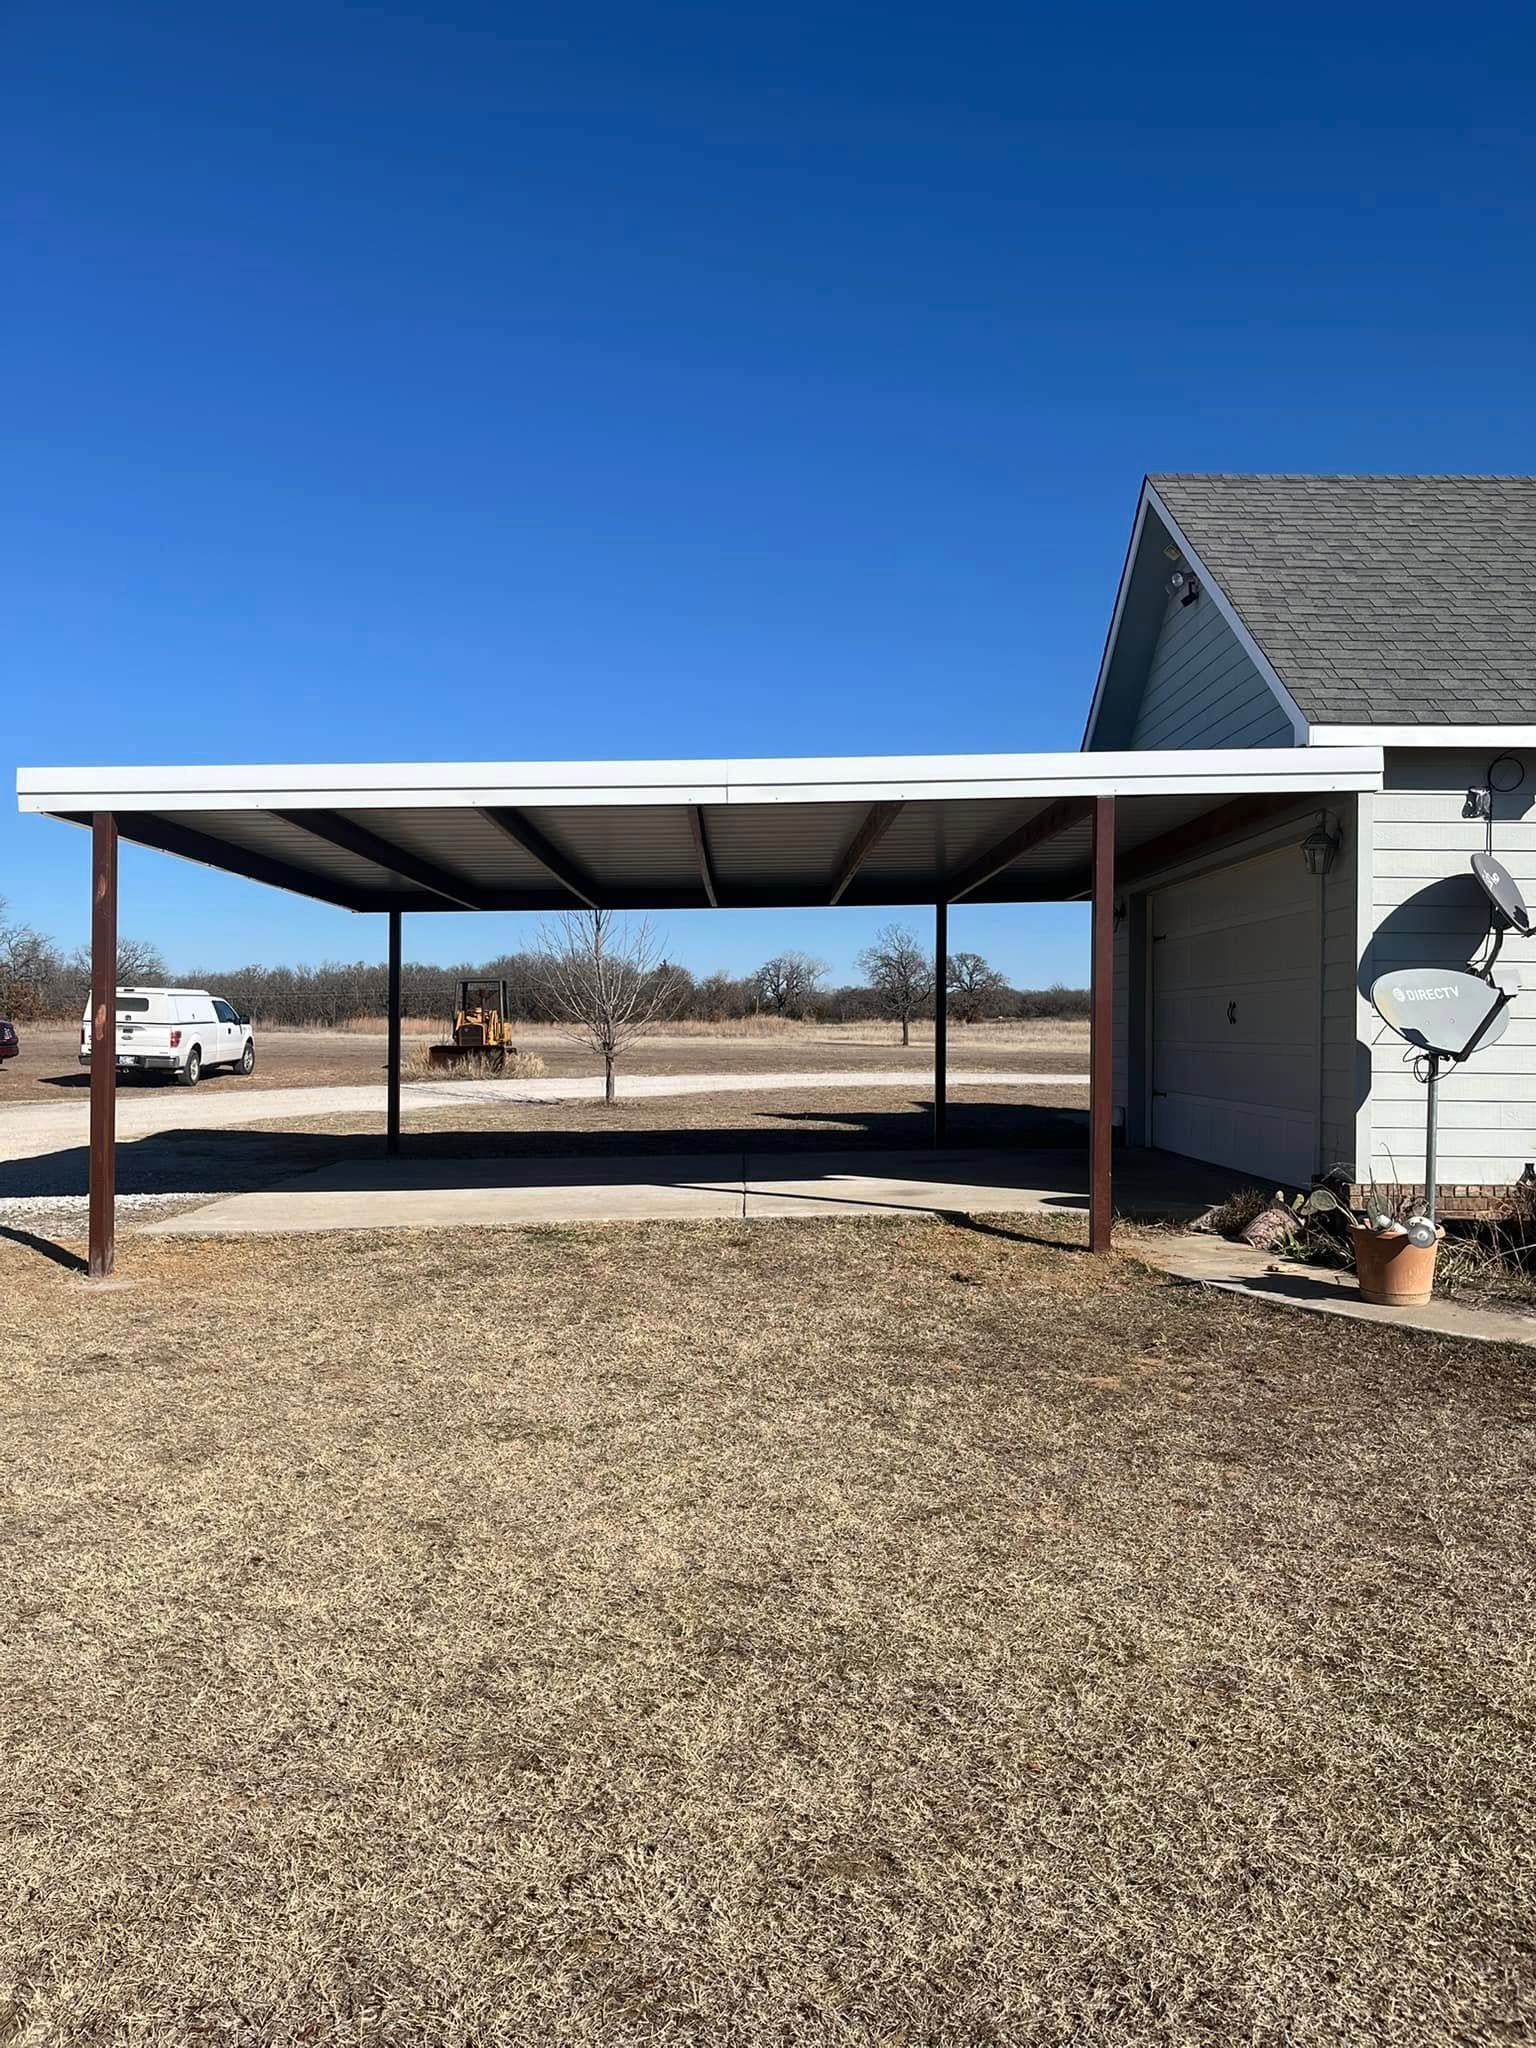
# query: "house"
1302,611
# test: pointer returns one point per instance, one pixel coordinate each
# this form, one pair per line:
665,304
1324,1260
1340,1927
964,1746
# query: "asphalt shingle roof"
1380,600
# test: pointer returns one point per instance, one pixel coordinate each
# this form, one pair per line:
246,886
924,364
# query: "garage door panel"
1226,1075
1246,954
1265,1144
1276,1021
1234,1017
1225,898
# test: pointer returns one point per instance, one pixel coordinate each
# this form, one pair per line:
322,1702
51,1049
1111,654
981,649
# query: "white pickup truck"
180,1031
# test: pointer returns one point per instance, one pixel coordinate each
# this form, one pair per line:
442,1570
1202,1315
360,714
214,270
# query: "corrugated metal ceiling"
882,832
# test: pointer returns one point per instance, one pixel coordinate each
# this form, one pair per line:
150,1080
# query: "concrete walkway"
1260,1276
418,1194
30,1128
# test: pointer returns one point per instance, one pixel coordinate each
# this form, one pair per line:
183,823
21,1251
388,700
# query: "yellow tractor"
479,1029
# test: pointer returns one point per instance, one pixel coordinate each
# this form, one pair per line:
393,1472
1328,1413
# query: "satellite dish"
1440,1009
1502,891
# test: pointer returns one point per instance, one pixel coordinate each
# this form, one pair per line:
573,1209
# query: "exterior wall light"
1320,848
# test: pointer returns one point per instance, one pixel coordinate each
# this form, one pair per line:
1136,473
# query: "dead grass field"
805,1633
48,1066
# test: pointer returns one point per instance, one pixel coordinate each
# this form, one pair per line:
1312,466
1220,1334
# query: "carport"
674,835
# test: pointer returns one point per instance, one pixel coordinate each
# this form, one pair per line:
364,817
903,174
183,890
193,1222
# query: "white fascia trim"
543,785
1211,588
1423,735
1114,623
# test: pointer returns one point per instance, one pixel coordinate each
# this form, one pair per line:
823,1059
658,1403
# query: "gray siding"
1203,689
1427,911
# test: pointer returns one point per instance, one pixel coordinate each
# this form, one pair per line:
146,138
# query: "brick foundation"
1465,1200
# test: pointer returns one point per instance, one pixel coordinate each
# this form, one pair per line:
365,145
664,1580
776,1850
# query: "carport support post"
940,1020
1101,1044
392,1083
103,1196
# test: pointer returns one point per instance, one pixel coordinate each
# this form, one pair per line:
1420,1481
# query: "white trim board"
1217,772
1422,736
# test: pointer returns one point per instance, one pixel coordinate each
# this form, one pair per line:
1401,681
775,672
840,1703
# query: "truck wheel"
192,1072
248,1058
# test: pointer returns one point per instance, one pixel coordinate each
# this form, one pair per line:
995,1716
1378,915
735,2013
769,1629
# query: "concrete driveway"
421,1194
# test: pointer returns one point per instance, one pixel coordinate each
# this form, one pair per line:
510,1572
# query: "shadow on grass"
982,1226
45,1248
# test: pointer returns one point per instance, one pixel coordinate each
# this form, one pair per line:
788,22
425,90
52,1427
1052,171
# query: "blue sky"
518,383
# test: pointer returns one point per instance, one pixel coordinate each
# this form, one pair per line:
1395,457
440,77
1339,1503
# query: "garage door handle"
1231,1013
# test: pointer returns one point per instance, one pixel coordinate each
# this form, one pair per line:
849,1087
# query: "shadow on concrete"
250,1156
1040,1150
1296,1287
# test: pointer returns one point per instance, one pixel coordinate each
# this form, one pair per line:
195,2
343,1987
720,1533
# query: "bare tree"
29,968
788,982
900,973
604,981
974,987
139,964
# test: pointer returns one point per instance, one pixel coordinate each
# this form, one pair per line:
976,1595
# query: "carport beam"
940,1019
103,1180
392,1083
1101,1046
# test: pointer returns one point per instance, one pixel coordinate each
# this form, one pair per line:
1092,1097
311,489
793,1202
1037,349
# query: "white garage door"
1235,1017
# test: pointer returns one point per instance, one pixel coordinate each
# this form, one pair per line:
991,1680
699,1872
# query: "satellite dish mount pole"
1431,1135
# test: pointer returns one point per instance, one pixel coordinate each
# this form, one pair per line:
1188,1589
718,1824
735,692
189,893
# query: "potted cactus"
1394,1260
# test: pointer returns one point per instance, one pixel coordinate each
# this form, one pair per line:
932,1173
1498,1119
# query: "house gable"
1179,674
1203,688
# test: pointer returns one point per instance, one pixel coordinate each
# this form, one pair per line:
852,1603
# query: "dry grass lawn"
795,1633
48,1069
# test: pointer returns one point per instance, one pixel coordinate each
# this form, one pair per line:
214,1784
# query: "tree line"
39,979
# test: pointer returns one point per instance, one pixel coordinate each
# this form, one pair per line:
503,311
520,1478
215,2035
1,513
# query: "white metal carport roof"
662,835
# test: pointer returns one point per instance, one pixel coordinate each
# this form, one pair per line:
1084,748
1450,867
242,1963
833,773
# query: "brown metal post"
103,1044
940,1021
1101,1046
392,1085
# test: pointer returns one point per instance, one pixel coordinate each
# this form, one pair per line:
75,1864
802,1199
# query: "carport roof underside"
669,835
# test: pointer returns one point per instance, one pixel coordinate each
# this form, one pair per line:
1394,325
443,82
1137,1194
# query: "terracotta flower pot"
1394,1273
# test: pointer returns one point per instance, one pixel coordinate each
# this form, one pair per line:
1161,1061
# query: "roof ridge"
1340,476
